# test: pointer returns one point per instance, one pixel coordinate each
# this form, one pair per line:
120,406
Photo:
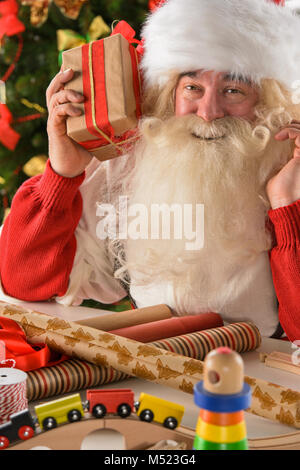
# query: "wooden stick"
280,360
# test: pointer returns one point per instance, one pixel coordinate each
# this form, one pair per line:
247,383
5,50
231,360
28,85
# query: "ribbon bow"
8,136
128,33
9,22
68,39
26,356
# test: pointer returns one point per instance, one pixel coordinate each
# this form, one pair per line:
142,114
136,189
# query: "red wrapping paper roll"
170,327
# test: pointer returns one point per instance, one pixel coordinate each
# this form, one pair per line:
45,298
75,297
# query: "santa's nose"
209,107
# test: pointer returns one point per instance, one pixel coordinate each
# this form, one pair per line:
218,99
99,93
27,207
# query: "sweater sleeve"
37,244
285,265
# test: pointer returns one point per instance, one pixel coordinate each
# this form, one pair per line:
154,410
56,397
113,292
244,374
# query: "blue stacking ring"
222,403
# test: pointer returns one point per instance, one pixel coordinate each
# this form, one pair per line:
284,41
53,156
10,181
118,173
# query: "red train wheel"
25,432
4,442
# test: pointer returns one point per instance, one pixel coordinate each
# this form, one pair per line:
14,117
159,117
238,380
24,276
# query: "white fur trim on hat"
253,38
294,5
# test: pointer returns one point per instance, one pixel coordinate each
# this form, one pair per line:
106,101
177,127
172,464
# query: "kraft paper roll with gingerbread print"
75,374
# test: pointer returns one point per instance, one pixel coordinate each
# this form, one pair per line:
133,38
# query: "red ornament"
9,22
8,136
154,4
279,2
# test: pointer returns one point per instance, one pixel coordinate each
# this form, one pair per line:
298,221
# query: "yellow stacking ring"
223,434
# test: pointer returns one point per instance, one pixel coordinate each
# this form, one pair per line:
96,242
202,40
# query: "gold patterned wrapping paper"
274,402
105,349
76,374
145,361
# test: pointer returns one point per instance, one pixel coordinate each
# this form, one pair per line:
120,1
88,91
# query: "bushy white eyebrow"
227,77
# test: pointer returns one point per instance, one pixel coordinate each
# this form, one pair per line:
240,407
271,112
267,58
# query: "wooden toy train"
24,424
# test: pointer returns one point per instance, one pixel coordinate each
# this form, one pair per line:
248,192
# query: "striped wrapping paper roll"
241,337
69,376
75,374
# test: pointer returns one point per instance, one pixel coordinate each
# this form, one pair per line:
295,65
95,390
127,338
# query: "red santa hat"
252,38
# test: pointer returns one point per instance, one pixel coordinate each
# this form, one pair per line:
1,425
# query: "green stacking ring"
202,444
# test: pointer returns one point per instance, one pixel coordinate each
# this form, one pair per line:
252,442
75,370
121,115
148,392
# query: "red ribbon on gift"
26,356
9,22
8,136
107,132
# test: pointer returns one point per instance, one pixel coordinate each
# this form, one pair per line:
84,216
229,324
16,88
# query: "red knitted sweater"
38,245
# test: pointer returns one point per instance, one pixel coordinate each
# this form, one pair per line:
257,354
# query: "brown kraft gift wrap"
76,374
106,73
145,361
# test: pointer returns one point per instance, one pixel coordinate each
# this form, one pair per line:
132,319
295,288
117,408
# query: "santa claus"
221,131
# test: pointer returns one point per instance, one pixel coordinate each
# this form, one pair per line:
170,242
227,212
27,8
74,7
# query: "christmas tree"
33,34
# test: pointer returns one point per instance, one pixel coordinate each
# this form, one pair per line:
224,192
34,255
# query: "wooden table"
258,428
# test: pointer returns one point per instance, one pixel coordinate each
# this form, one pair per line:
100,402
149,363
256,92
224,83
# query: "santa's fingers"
56,123
66,109
64,96
57,83
289,133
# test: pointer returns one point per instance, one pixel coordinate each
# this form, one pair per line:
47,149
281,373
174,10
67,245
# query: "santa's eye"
233,91
192,88
234,95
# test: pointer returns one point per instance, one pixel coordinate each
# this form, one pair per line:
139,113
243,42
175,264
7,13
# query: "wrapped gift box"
106,73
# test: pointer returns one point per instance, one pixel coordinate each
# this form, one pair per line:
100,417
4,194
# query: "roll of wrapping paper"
104,349
170,327
69,376
241,337
145,361
75,375
128,318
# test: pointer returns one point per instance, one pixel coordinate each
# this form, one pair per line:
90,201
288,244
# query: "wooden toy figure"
222,397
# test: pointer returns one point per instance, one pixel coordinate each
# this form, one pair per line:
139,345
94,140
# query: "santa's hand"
284,188
67,157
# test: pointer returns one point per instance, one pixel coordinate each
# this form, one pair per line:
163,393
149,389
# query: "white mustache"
209,130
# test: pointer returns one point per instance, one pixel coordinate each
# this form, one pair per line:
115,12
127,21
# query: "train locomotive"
120,402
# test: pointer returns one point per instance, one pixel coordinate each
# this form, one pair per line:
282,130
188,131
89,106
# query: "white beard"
228,176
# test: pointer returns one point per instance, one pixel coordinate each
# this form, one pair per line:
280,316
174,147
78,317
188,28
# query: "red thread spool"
13,396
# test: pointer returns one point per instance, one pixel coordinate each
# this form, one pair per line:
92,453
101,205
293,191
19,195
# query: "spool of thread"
13,392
